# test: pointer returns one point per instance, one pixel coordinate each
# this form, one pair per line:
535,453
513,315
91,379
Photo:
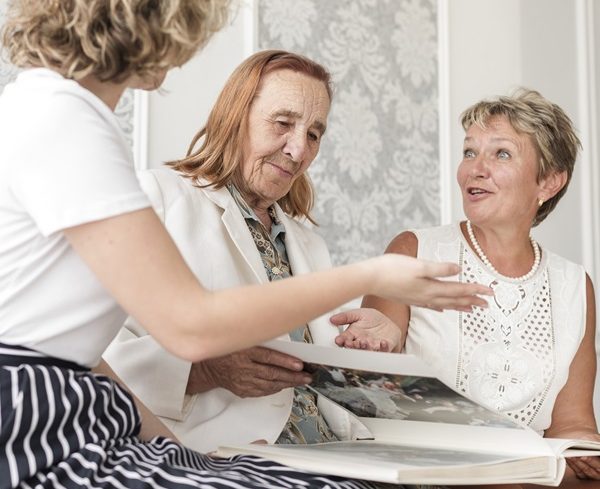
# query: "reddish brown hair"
219,156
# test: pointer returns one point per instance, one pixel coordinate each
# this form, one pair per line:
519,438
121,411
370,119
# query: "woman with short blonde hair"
546,123
531,355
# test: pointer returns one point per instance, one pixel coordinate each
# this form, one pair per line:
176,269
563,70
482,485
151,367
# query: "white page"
501,441
568,447
397,463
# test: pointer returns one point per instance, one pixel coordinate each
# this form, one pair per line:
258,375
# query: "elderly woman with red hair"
239,198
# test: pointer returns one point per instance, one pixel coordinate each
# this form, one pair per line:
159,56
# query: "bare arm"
405,244
381,324
573,412
138,263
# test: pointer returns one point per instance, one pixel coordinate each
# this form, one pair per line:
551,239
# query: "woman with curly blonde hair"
80,247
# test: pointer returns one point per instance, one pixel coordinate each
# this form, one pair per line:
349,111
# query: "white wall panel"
180,108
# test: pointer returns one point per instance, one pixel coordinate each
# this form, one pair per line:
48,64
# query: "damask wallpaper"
124,110
378,169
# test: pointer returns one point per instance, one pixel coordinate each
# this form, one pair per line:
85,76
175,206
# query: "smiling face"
286,121
498,175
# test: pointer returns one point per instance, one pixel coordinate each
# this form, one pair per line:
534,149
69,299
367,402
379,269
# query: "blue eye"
503,154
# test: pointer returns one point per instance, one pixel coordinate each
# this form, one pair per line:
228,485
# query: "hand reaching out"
585,467
368,329
417,282
253,372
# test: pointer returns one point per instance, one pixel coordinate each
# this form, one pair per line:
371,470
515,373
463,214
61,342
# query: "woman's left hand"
368,329
586,467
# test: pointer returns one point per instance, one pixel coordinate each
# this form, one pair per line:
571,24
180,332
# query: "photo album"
419,430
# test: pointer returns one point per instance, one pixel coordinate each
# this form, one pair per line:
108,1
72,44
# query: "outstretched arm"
136,260
407,244
386,330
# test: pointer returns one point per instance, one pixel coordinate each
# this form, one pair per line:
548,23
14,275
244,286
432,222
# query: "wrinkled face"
286,121
498,175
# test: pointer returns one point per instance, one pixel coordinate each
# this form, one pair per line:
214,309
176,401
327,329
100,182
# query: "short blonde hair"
550,128
219,155
110,39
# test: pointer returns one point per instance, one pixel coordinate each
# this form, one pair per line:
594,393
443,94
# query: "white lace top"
513,357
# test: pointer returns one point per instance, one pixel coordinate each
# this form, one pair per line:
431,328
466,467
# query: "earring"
540,202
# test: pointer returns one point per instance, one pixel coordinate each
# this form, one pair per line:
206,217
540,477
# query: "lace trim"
506,353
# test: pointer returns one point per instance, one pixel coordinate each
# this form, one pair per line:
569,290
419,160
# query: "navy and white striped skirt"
62,426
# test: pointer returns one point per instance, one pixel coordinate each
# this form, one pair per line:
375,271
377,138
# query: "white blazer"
213,237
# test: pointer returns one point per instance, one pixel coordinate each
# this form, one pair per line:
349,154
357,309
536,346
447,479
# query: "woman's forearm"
137,261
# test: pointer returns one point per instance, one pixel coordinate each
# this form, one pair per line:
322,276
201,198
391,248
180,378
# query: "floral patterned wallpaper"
378,169
124,110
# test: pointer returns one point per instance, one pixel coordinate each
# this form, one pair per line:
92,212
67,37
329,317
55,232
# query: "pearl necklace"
487,263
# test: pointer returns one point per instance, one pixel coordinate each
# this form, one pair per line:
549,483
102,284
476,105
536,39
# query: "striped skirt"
61,426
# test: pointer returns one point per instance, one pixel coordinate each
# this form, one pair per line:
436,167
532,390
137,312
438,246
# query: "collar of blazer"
296,241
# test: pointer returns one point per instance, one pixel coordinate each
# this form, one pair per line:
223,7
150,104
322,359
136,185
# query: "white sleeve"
79,167
151,187
156,376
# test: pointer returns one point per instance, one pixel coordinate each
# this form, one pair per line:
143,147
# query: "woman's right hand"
253,372
367,329
418,282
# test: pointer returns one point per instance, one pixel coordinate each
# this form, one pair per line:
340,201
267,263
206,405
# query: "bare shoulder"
590,298
589,285
405,243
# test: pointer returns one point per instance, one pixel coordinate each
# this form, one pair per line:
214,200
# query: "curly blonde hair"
110,39
550,128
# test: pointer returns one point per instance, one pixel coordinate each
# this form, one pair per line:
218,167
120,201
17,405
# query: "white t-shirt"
63,162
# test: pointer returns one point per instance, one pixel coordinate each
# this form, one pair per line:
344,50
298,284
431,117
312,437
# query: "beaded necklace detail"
487,263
